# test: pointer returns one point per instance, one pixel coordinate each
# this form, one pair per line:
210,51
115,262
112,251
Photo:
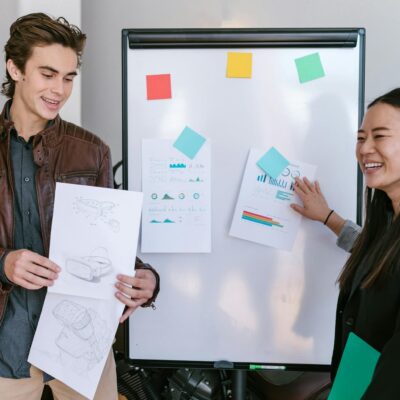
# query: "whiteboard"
245,302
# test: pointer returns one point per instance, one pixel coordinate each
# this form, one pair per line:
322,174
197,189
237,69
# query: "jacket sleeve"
5,287
385,381
5,284
141,265
348,235
104,176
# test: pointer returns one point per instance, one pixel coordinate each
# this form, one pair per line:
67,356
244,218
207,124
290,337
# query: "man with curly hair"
37,149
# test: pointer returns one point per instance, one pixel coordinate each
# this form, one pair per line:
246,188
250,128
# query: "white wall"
9,11
71,10
103,20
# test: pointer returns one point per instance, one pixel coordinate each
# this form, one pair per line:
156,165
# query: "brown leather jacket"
63,152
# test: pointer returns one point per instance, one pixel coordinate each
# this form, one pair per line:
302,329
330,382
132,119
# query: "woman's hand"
315,206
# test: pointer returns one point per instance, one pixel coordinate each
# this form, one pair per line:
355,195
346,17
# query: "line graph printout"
263,214
176,214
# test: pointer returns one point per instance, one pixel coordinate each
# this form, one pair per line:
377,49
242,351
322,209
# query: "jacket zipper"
84,174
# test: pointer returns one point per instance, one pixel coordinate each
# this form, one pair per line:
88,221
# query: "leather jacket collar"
50,136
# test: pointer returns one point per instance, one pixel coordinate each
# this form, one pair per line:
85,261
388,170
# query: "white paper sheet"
94,237
73,339
176,207
262,212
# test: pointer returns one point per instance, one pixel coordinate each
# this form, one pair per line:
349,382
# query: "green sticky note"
189,142
355,370
309,67
273,162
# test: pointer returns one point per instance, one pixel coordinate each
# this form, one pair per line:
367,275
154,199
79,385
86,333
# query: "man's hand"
30,270
135,291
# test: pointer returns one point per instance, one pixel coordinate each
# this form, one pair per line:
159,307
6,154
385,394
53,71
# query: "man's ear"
14,71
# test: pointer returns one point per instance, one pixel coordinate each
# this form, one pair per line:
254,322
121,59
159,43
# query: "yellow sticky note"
239,65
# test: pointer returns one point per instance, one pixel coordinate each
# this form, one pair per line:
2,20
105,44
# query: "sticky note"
273,162
158,87
239,65
355,369
189,142
309,67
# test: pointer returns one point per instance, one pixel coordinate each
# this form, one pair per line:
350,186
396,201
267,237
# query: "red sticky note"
158,87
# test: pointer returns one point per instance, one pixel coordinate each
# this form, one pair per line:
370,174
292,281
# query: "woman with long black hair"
369,299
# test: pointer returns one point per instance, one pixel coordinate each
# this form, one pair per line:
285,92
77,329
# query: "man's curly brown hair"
38,29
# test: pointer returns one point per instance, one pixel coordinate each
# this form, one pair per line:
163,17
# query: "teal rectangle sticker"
309,67
189,142
273,162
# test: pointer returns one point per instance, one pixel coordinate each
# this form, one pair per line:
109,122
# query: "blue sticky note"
355,370
189,142
273,162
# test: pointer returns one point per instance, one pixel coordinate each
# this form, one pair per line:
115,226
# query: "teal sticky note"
273,162
355,369
189,142
309,67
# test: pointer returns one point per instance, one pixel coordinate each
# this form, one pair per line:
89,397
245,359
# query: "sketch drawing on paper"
90,268
84,335
96,211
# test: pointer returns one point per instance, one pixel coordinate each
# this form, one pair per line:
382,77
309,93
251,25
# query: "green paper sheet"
355,370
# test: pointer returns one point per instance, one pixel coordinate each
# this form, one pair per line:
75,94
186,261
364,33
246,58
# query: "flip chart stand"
239,380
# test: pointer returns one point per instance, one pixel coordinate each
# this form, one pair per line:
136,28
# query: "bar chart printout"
263,214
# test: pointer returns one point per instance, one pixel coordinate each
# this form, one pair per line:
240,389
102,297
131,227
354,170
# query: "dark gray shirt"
24,306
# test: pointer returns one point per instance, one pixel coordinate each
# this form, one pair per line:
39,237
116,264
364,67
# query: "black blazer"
374,315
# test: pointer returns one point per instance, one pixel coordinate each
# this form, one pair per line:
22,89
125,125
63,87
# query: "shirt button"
27,179
349,321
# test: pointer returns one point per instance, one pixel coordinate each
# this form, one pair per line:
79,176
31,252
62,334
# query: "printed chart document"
94,237
176,205
262,212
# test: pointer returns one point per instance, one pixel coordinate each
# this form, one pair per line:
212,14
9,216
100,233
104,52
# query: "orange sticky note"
239,65
158,87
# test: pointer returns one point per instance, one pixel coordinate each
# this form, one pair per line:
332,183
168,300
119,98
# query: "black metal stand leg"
239,384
